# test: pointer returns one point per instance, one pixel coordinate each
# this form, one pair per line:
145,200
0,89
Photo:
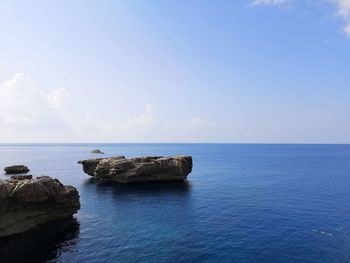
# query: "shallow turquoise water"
242,203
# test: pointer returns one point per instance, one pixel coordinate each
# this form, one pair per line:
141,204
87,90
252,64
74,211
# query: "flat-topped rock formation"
16,169
142,169
26,203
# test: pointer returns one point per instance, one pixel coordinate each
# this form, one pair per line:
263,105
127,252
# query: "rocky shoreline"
26,203
141,169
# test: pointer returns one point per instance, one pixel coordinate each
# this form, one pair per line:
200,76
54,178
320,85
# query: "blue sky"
175,71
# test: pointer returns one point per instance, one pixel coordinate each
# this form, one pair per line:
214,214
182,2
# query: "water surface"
242,203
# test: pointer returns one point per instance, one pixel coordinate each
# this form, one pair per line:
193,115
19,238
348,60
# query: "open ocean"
242,203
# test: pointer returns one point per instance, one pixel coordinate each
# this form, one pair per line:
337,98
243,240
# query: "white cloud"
13,100
146,127
342,6
195,123
201,123
346,30
28,114
144,121
23,104
268,2
343,10
58,99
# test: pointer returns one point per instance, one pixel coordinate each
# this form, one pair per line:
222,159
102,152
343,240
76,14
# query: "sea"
286,203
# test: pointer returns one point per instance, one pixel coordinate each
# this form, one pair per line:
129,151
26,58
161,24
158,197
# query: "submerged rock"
97,152
142,169
16,169
27,203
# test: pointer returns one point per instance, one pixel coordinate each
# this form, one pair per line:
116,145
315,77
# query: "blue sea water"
242,203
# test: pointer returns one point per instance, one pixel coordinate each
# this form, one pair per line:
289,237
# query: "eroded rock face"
16,169
27,203
22,177
142,169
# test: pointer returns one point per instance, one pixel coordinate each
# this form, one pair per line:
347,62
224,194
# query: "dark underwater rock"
40,244
27,203
141,169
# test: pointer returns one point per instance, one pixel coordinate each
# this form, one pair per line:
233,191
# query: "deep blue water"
242,203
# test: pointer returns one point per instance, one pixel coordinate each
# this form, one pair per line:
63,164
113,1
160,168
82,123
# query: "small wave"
341,228
322,232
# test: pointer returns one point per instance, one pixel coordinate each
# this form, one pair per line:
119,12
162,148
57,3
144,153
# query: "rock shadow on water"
42,244
179,188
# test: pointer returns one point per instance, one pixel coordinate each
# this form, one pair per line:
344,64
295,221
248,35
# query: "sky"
252,71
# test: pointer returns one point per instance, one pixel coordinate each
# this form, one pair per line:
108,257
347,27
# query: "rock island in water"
141,169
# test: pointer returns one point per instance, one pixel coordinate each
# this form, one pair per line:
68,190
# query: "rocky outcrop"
16,169
97,152
22,177
142,169
27,203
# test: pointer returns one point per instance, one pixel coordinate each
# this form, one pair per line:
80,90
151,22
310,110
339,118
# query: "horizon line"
238,143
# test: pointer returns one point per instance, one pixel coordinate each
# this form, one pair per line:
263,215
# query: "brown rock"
16,169
26,203
22,177
142,169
